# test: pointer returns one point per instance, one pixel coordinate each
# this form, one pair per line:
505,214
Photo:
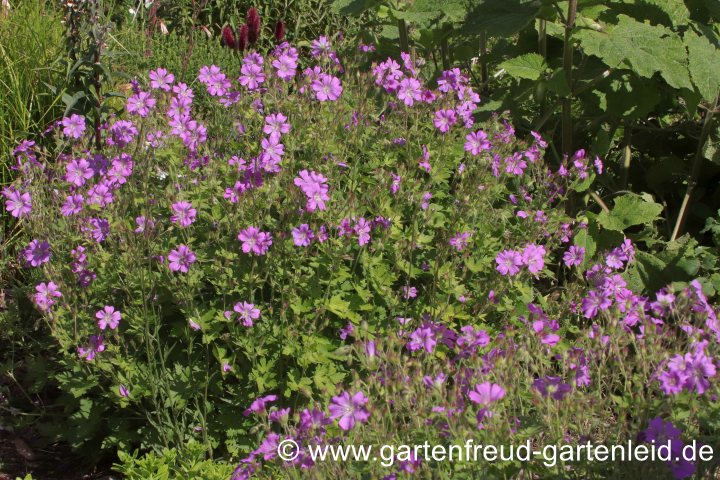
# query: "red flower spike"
228,37
253,23
242,37
279,30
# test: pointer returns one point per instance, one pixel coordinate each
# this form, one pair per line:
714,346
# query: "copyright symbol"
288,450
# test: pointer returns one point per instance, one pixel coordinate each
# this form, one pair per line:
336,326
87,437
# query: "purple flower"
688,372
409,91
95,345
486,393
534,257
37,253
183,91
395,186
302,235
108,317
181,258
278,416
254,241
423,337
327,88
313,420
672,382
17,203
470,339
427,196
444,119
123,391
315,187
508,262
460,241
286,65
574,256
273,150
122,132
321,46
436,382
661,432
247,312
44,296
595,302
552,387
216,82
78,254
100,194
120,169
349,409
409,292
98,229
276,123
362,229
161,79
74,126
476,142
616,258
77,172
348,329
514,164
370,349
451,80
184,214
143,224
140,104
700,368
251,74
259,404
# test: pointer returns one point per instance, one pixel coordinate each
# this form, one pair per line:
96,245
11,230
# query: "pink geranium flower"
349,410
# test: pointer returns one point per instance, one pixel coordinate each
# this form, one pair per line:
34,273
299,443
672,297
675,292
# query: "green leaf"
584,184
629,210
678,262
675,10
500,18
341,308
71,100
414,16
352,7
454,10
557,83
585,240
646,49
631,97
530,66
704,64
390,32
711,150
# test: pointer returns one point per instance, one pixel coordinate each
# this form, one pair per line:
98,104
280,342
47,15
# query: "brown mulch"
18,458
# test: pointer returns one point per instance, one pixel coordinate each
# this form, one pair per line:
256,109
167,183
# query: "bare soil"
18,458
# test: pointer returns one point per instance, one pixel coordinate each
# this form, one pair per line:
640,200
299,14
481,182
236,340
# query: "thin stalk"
582,88
445,51
695,172
567,127
627,155
483,58
404,41
542,38
599,201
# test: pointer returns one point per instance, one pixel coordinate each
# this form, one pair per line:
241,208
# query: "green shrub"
338,234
